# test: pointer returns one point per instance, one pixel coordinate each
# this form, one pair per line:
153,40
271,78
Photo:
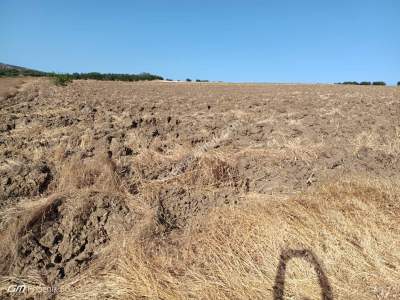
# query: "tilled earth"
178,148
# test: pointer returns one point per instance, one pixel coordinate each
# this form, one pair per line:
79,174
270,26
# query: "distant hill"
10,67
11,70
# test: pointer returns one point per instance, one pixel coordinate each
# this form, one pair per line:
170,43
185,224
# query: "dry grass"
233,252
388,144
96,173
289,148
9,87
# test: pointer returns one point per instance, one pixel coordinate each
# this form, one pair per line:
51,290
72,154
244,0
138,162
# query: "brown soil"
83,163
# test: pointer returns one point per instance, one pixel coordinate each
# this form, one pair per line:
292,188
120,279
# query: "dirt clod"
60,242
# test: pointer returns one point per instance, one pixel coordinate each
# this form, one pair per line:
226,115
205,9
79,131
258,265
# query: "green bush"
398,83
378,83
188,79
365,83
61,79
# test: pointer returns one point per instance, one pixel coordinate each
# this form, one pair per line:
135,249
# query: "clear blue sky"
262,41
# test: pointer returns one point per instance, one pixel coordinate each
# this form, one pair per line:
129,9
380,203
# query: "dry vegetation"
155,190
9,87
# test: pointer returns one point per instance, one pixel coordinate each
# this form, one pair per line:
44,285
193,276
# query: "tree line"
70,76
11,72
111,76
363,83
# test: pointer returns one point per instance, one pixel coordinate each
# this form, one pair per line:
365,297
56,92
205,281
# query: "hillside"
10,70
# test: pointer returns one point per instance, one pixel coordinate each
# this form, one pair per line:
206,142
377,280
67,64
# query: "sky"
285,41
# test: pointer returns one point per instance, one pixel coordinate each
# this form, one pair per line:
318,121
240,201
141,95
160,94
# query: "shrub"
61,79
365,83
378,83
188,79
398,83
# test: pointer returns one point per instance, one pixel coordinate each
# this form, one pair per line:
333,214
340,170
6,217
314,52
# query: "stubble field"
157,190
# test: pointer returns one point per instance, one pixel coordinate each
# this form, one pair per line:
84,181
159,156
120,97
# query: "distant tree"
188,79
365,83
378,83
398,83
351,82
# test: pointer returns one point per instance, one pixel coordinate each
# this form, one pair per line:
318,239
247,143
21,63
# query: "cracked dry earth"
78,164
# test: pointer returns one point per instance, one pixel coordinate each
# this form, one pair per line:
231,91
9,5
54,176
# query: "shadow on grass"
285,257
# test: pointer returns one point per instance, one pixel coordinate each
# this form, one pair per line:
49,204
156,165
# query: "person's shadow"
286,255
